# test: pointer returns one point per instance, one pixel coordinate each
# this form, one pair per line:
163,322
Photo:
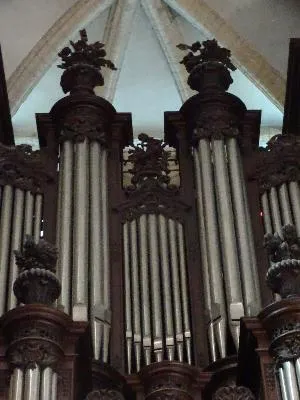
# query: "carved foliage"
23,168
233,393
278,163
83,123
283,276
285,344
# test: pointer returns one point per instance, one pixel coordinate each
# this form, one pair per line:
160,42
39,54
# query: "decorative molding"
105,394
233,393
44,53
246,58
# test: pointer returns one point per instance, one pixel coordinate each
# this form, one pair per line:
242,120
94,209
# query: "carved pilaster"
169,380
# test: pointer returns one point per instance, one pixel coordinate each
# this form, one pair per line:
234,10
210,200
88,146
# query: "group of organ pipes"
141,270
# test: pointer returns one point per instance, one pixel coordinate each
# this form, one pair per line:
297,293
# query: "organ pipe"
64,220
284,201
213,247
28,213
46,384
16,385
32,384
204,257
250,293
282,383
96,264
80,232
228,239
290,380
37,217
16,242
166,287
295,196
54,386
5,229
145,284
266,213
155,288
275,210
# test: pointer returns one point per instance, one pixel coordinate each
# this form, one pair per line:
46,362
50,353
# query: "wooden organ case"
140,269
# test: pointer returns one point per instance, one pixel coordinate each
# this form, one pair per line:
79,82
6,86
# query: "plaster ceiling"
141,38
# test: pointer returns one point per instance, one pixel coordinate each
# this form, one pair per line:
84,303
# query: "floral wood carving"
23,168
278,163
233,393
37,282
105,394
216,123
283,276
285,341
80,124
82,64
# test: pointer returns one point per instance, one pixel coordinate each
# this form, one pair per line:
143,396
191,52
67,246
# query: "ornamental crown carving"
278,162
283,276
23,168
104,394
208,65
233,393
82,63
149,162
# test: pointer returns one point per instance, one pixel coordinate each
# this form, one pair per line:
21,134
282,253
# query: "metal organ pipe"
96,264
166,282
64,221
213,247
250,292
285,207
105,253
295,196
128,320
275,210
5,229
155,288
137,334
32,384
266,213
28,213
80,232
228,239
204,257
290,380
54,386
145,284
16,385
282,383
46,384
16,243
37,217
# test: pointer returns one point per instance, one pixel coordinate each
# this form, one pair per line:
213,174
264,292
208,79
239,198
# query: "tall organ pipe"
285,205
65,225
16,243
105,253
266,213
128,320
96,264
80,232
16,385
204,257
5,232
275,210
54,386
290,380
145,284
37,217
166,287
176,288
137,335
228,239
46,384
213,246
155,288
32,384
184,293
282,383
28,213
251,295
295,195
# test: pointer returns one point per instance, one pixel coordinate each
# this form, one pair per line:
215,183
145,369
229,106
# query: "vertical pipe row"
80,232
247,269
213,246
204,256
228,239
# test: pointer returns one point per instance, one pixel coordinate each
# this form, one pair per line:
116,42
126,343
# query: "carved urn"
37,282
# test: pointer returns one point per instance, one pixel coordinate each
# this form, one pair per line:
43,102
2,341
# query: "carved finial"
36,282
82,64
150,161
283,276
205,58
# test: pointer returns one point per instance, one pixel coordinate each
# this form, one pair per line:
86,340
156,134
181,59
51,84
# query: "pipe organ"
137,269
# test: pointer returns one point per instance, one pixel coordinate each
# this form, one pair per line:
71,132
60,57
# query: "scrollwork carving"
233,393
215,124
105,394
